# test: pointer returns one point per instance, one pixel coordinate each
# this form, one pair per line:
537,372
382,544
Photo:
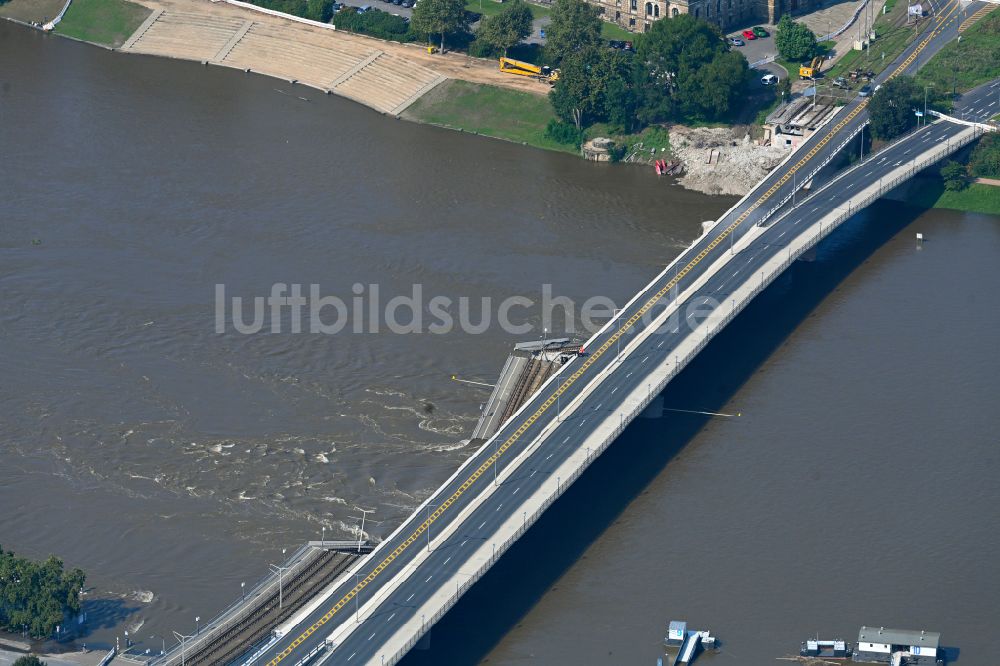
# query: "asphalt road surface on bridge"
399,550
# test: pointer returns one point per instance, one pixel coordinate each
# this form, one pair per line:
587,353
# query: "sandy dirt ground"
737,164
451,65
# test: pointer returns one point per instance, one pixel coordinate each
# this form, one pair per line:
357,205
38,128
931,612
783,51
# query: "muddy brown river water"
173,462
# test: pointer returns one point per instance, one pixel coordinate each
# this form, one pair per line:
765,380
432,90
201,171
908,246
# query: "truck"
521,68
812,69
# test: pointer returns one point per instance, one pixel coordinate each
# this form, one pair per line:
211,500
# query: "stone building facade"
638,15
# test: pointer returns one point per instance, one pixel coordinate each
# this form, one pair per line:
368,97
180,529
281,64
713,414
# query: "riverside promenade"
386,76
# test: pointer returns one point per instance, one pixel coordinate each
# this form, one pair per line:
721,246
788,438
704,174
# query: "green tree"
954,174
794,40
891,109
508,27
37,595
30,660
574,26
985,160
594,84
440,17
686,71
319,10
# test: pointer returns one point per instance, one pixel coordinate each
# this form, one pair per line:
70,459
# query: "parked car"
628,46
865,91
840,82
769,79
616,44
760,32
408,3
736,41
749,35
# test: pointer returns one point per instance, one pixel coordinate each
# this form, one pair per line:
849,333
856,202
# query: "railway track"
250,630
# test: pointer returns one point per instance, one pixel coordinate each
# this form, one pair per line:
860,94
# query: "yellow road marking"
590,360
967,23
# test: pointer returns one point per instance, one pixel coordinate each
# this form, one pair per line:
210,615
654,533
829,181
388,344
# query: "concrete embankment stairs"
330,61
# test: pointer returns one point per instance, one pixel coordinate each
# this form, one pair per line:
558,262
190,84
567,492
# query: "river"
173,462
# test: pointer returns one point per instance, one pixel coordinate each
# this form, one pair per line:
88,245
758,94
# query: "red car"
748,34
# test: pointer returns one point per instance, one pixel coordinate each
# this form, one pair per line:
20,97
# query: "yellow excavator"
521,68
811,70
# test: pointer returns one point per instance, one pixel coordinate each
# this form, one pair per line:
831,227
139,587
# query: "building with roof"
898,647
638,15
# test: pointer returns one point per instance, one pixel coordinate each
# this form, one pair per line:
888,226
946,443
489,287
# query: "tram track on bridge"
941,22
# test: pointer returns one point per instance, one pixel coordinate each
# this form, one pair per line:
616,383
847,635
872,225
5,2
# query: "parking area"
390,7
758,49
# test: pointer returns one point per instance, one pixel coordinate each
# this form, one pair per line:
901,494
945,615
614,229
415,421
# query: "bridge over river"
389,599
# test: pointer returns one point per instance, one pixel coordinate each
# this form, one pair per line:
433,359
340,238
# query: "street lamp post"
428,521
279,571
357,599
364,514
929,85
183,639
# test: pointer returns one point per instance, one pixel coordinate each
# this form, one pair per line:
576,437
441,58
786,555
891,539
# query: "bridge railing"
767,276
235,611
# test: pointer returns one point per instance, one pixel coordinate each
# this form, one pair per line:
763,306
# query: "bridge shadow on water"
496,604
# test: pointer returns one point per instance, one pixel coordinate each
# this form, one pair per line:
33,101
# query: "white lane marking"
644,360
410,597
460,545
940,139
532,473
442,564
906,152
598,407
352,656
515,491
566,440
429,578
548,456
394,615
628,375
500,507
657,346
481,525
373,633
582,422
616,388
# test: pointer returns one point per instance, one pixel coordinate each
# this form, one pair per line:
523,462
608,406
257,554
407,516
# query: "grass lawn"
489,110
960,66
976,198
106,22
38,11
892,36
491,7
615,31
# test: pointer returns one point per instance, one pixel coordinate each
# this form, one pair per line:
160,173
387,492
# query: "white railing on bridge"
767,277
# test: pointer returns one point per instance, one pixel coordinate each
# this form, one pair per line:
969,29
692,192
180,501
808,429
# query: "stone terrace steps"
187,35
345,65
387,82
265,49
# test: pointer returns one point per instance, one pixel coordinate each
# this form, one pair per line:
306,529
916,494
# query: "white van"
769,79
